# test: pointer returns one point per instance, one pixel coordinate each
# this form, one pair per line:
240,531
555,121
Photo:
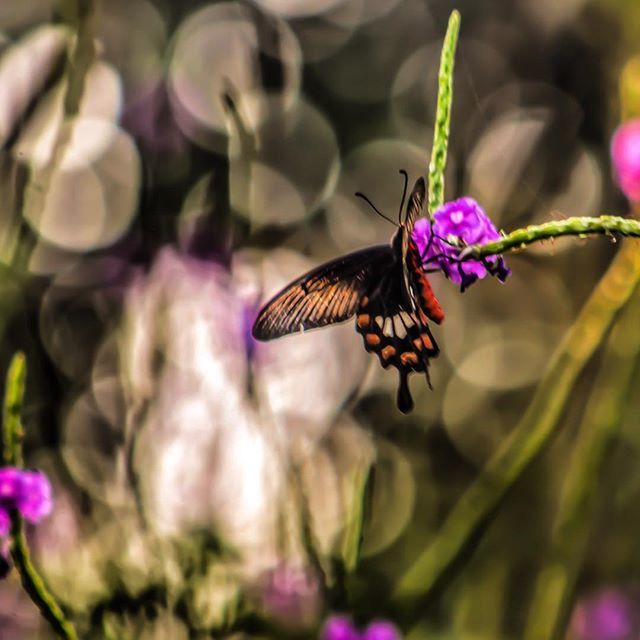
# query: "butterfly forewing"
325,295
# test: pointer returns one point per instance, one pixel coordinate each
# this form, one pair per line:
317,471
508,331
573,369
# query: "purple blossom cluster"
456,225
29,492
341,628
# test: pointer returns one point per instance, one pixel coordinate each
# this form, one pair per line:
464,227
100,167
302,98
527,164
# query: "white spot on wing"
399,327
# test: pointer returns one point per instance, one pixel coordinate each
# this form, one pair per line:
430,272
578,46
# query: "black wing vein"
325,295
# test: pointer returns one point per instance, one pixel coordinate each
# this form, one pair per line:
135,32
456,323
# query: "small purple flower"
9,484
34,500
607,615
625,155
381,630
341,628
27,491
455,225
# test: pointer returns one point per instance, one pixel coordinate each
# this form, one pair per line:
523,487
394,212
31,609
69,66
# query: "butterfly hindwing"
325,295
419,287
400,338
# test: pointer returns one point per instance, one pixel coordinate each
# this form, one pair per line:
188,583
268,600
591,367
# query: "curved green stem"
33,583
12,435
529,436
443,115
577,226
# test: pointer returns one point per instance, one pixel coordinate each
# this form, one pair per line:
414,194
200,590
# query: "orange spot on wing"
363,320
388,352
426,341
372,339
408,357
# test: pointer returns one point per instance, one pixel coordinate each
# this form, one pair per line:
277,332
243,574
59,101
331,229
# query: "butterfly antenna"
404,192
373,206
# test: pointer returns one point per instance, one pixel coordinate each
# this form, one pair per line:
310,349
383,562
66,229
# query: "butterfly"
385,287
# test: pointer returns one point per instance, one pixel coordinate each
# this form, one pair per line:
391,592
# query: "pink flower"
606,615
34,500
341,628
27,491
625,155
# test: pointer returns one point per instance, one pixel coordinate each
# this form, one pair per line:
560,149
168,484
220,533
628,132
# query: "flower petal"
34,500
339,628
381,630
9,484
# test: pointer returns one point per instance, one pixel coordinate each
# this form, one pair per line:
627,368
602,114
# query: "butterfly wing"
413,211
384,285
394,322
417,287
325,295
399,336
414,205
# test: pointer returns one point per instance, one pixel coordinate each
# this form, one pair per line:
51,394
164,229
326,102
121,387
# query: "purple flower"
9,484
341,628
625,155
27,491
455,225
607,615
34,499
381,630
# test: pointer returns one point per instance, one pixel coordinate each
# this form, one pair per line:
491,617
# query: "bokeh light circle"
294,170
88,200
217,52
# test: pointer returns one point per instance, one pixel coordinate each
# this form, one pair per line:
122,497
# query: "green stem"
79,16
12,431
578,226
33,583
12,435
602,417
530,435
443,115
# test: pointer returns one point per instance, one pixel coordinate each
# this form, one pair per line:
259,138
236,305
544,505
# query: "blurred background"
165,167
